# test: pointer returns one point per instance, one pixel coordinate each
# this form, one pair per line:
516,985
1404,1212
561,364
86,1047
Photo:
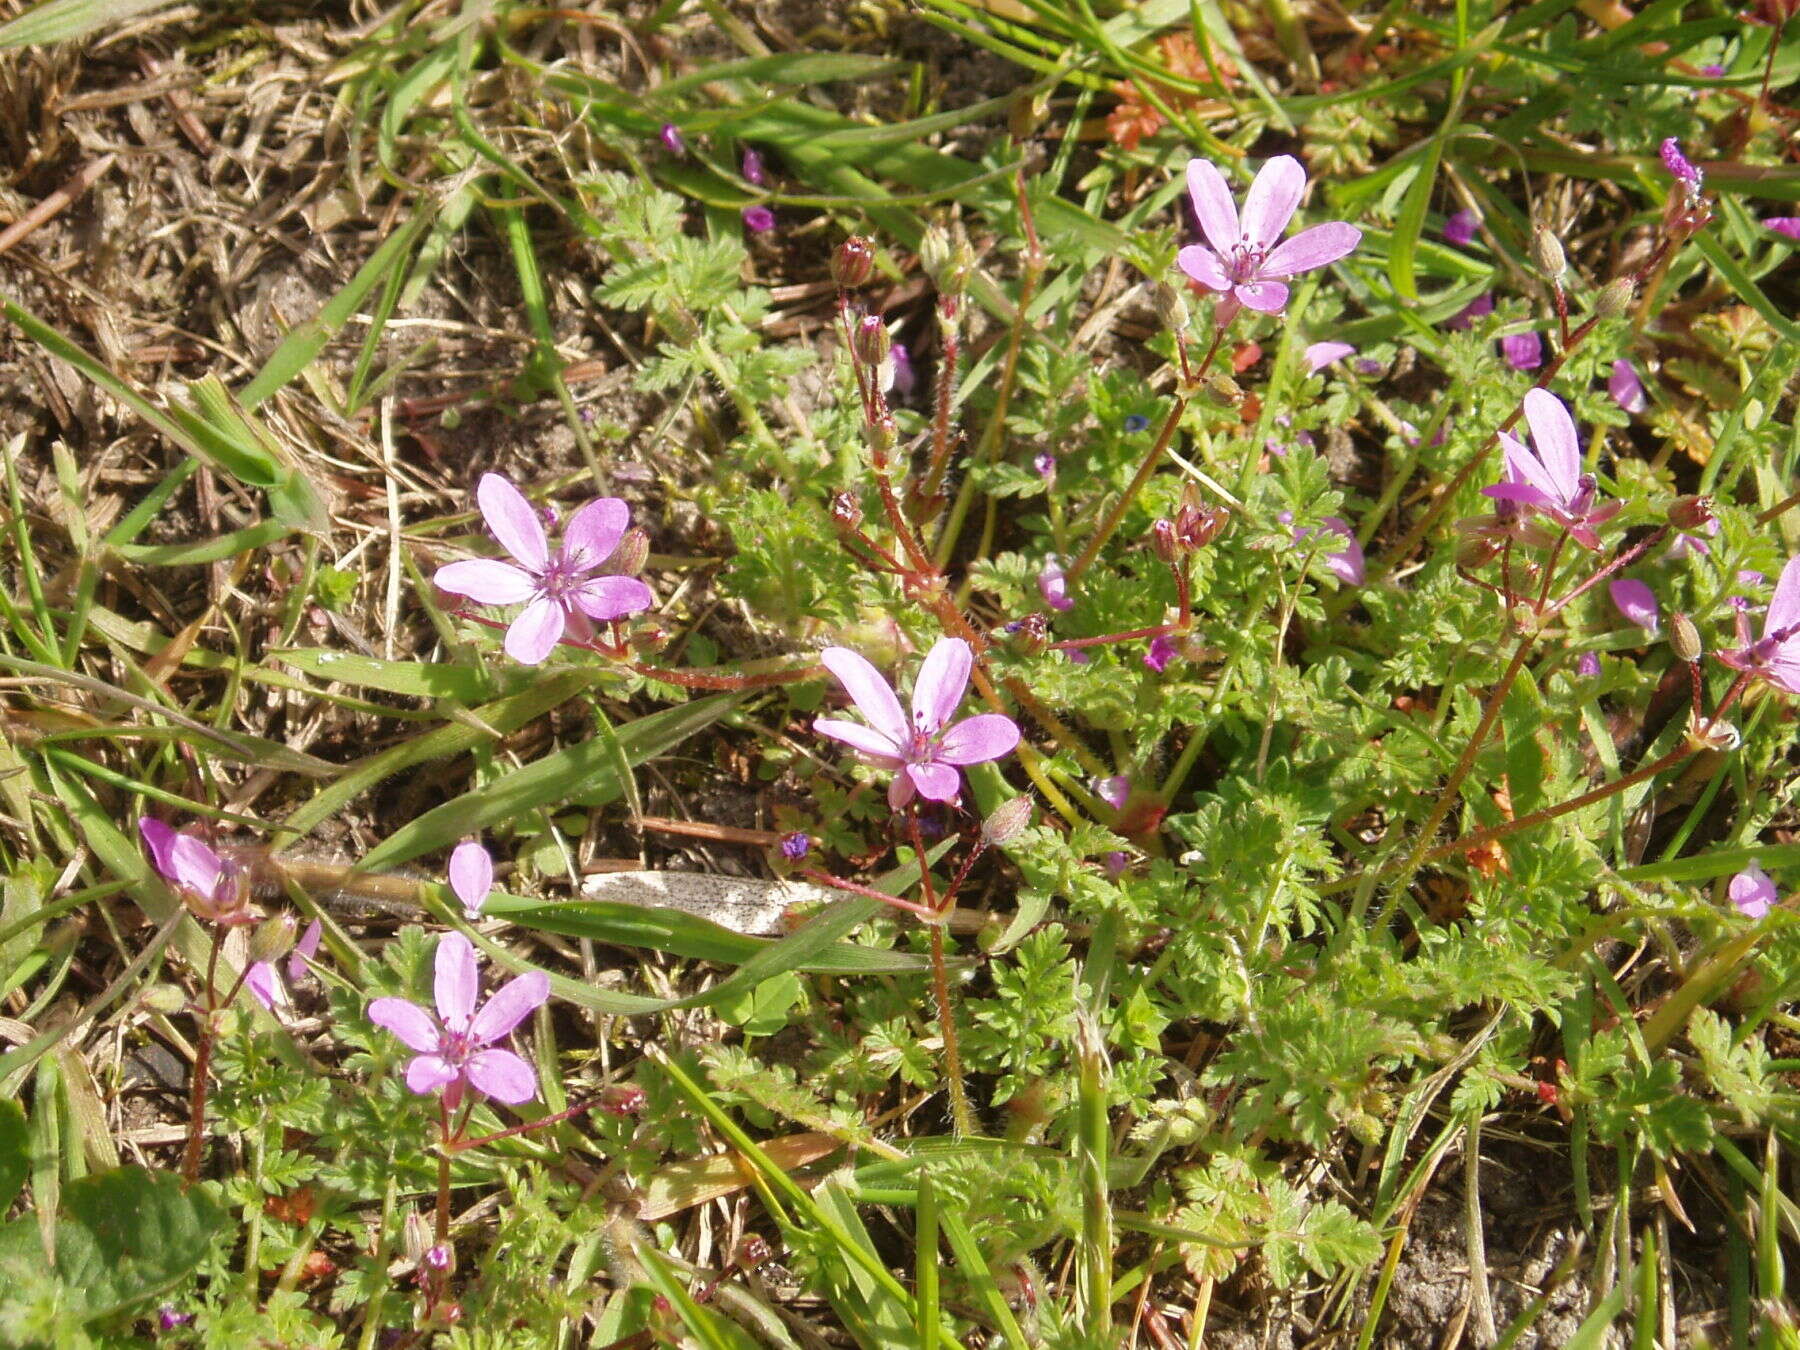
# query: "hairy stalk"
203,1047
1110,522
960,1114
939,464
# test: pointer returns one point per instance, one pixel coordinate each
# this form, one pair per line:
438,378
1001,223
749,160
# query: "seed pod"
1615,297
869,341
853,263
1547,253
629,556
1197,524
1684,638
1171,307
1164,543
1475,550
1008,820
1225,388
945,255
162,998
1030,636
273,938
881,434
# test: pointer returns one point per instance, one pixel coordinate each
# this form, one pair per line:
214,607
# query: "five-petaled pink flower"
214,888
456,1046
1244,261
1547,476
561,590
1774,657
926,753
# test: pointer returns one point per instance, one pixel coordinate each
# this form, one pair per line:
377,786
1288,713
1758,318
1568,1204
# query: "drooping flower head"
564,590
925,753
1626,388
1053,585
456,1047
1546,477
1244,262
213,887
471,876
1775,656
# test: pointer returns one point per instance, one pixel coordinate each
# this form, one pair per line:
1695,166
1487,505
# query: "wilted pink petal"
1679,166
1637,602
1752,891
758,219
671,139
264,984
1523,351
1626,388
304,950
1347,563
1322,354
753,168
1478,308
1053,586
1163,649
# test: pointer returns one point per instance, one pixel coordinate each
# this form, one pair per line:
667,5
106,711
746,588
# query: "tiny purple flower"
1368,365
1245,263
1788,225
1686,545
1348,565
471,877
564,590
1523,351
1045,464
758,219
1752,891
671,139
1115,791
1637,602
167,1318
1478,308
1626,388
265,983
1054,587
1322,354
926,754
1774,657
1460,228
1136,422
1587,665
753,168
1680,167
796,845
1077,657
213,887
1116,862
898,373
1712,72
437,1256
456,1046
1163,650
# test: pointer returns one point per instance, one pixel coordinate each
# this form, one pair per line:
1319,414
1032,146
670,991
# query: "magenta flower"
1752,891
1547,478
1054,586
1460,228
1775,657
1685,544
753,168
561,591
1115,791
1788,225
455,1047
1348,564
898,375
1045,464
671,139
758,219
1523,351
1163,649
1244,262
926,754
1478,308
214,888
471,877
1637,602
1322,354
1587,665
1680,167
1626,388
265,983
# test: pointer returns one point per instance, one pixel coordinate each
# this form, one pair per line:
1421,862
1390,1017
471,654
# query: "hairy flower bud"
1171,307
1027,637
1615,298
629,556
1684,638
846,511
881,434
166,999
622,1099
945,255
853,263
1198,523
869,341
273,938
1225,388
1475,550
1164,543
1692,513
415,1237
1547,253
1008,820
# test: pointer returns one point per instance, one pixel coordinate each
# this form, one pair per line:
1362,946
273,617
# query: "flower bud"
415,1237
1615,298
846,512
1475,550
622,1099
1007,822
1164,543
1692,513
853,263
166,999
751,1251
1198,523
1029,636
881,434
869,341
1225,388
273,938
1684,638
1171,307
629,556
1027,113
1547,253
945,255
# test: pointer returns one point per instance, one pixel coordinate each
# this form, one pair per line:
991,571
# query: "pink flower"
1348,565
1776,656
671,139
1322,354
1523,351
1115,792
1478,308
1680,167
926,754
561,590
214,888
1163,650
1637,602
1626,388
1686,544
471,877
1245,262
455,1046
758,219
1752,891
1054,587
753,168
265,983
1460,228
1788,225
1587,665
1547,478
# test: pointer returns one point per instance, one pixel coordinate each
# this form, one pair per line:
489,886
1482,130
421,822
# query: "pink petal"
1523,466
1265,297
457,981
941,682
1053,585
1311,248
159,839
1348,564
594,532
900,792
604,599
873,696
264,985
304,950
511,1004
1214,206
533,635
1788,225
1272,200
417,1028
514,522
1784,605
195,866
1203,265
1637,602
1553,437
502,1075
935,782
1626,388
429,1073
975,740
1752,891
1523,351
486,581
1522,493
866,740
1461,227
1322,354
471,875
